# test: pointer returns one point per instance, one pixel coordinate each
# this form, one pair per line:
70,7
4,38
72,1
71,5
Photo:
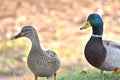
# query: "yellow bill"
87,24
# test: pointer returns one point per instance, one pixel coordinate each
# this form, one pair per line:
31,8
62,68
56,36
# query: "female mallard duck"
102,54
43,63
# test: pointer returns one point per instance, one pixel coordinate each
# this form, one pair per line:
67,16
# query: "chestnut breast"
95,52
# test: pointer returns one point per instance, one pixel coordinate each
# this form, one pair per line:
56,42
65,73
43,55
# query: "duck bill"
86,25
17,36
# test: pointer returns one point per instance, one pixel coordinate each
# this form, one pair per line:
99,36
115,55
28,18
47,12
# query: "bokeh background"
58,23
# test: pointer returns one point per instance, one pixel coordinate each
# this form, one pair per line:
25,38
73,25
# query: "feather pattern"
43,63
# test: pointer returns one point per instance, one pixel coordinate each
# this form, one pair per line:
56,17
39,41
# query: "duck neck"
97,30
36,44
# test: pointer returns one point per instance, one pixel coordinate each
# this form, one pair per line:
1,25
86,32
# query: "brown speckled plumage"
43,63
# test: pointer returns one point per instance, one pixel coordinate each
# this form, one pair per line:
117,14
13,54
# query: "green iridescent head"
96,22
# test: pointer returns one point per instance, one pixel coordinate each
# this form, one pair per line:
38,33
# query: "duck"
101,54
42,63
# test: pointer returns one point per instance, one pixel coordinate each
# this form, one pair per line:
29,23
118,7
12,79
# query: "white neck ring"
96,35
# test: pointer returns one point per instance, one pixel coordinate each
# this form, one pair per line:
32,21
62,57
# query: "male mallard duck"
102,54
43,63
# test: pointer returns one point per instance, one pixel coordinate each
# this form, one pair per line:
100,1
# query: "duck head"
26,31
95,21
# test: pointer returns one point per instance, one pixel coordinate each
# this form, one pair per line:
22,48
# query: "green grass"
90,75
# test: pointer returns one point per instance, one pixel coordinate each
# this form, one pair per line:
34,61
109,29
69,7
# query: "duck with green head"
102,54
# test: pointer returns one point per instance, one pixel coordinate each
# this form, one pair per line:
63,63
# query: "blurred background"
58,23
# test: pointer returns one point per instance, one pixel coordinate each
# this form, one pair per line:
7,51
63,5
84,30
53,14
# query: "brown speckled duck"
43,63
102,54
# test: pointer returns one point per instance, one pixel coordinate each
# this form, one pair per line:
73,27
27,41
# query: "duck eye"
26,29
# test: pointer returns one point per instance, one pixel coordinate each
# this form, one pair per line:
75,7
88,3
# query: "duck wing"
52,56
111,44
112,60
